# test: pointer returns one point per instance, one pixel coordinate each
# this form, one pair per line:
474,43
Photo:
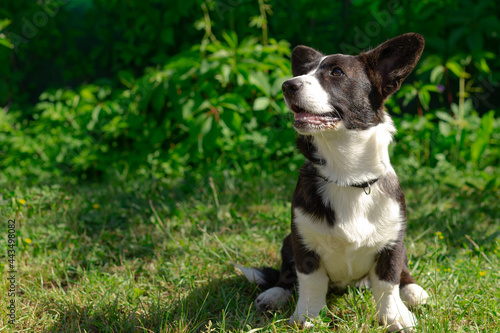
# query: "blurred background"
93,89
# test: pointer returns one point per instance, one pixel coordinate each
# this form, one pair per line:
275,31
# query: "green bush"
214,102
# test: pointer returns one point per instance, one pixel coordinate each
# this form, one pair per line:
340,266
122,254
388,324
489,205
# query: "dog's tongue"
305,116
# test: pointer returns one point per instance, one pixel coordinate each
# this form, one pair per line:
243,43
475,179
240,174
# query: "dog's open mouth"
305,119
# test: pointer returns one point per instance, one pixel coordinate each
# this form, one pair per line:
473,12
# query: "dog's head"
334,91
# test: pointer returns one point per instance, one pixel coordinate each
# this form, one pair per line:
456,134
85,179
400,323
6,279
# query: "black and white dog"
348,210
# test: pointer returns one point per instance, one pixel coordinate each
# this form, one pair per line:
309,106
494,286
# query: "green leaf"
409,96
425,98
483,66
457,69
445,116
444,129
261,103
231,39
236,121
5,42
205,128
437,74
207,125
256,21
429,63
86,93
261,81
4,23
187,109
226,71
96,112
476,183
430,87
455,110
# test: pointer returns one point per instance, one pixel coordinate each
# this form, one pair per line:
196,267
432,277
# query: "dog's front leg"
313,288
385,278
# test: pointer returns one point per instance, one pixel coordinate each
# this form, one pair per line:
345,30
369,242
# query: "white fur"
363,283
391,309
252,275
355,156
313,97
317,67
312,296
272,299
412,294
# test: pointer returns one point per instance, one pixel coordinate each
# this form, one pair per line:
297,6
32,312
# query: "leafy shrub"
213,102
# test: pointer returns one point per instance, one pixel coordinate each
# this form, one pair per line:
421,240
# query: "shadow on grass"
465,217
112,224
222,304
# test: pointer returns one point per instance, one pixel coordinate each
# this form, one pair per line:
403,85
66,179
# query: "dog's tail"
265,278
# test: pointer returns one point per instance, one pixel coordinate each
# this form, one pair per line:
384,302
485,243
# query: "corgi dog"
348,216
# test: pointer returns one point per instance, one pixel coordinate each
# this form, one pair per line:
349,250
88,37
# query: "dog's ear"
303,58
391,62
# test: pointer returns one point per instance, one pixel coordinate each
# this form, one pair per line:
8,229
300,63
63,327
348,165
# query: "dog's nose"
290,87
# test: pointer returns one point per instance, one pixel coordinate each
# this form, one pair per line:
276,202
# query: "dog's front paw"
302,319
304,316
272,299
399,318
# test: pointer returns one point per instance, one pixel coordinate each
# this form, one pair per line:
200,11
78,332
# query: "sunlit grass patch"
157,256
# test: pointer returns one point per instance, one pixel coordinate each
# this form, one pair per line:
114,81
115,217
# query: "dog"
348,209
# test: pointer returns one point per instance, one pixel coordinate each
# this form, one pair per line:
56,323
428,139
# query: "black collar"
364,185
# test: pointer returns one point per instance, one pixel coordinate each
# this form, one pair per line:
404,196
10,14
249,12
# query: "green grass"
149,256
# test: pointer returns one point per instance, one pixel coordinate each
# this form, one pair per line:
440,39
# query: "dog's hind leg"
278,295
278,285
409,291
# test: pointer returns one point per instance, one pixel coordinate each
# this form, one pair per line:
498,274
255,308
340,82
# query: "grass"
148,256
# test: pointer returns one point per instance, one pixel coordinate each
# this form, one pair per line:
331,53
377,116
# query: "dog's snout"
290,87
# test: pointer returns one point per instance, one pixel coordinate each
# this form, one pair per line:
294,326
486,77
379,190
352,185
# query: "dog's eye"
337,72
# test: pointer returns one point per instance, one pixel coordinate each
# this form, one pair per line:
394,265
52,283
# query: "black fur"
307,197
307,148
304,59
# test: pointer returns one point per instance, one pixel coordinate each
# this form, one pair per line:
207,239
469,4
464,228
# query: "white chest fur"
364,224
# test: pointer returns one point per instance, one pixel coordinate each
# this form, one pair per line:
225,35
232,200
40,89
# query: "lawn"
155,256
